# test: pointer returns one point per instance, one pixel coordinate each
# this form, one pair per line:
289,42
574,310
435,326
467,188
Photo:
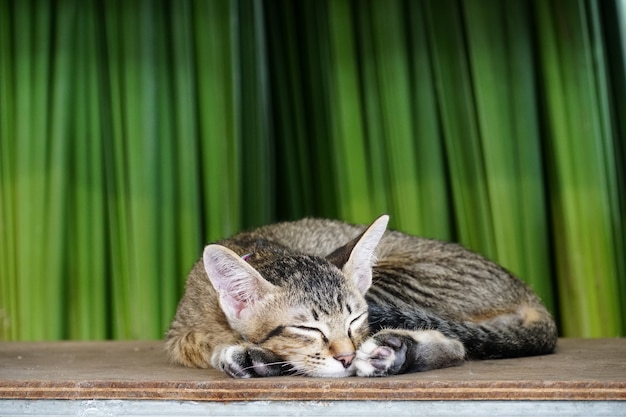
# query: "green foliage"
134,132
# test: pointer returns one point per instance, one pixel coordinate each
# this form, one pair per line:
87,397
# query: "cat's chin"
327,373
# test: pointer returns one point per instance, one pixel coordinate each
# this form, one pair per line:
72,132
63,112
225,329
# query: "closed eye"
356,323
360,317
312,330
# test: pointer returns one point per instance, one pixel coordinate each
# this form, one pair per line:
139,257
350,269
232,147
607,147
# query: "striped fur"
429,304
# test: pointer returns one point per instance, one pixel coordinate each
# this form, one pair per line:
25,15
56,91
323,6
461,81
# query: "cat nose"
345,359
342,350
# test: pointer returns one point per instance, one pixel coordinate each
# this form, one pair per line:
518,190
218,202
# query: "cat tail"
524,333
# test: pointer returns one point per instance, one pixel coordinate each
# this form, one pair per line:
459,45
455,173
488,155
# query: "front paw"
391,352
242,361
382,354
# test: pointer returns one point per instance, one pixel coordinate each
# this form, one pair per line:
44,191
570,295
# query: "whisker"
282,363
288,367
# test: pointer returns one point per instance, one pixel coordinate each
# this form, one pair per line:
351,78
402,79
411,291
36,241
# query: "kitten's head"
308,310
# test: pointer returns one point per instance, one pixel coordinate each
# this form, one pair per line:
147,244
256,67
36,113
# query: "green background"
134,132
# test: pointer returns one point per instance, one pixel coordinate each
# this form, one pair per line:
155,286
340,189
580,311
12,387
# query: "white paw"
243,361
373,359
391,352
229,360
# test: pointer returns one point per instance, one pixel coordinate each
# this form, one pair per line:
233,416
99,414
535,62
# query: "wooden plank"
582,369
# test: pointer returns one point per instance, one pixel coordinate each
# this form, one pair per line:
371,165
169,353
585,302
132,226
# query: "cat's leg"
188,348
394,351
247,360
236,358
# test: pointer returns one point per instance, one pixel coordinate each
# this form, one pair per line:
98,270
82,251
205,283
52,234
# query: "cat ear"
357,257
239,286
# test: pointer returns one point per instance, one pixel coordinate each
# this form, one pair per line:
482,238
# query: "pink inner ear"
233,302
237,294
236,306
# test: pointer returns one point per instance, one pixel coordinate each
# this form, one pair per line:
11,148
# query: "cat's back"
450,275
320,237
312,236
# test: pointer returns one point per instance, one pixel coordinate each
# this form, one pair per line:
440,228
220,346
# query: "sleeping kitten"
328,299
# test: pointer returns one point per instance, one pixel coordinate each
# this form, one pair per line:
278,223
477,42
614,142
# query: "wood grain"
581,369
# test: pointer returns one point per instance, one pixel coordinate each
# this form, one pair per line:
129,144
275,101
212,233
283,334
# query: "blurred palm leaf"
133,132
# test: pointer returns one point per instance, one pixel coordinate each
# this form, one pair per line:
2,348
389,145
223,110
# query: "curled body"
325,298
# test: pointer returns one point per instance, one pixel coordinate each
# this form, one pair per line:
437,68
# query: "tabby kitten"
328,299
